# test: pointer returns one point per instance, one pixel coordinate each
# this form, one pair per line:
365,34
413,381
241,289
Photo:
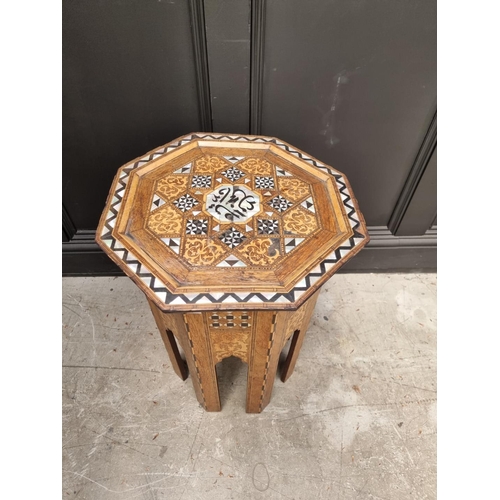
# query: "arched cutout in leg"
293,354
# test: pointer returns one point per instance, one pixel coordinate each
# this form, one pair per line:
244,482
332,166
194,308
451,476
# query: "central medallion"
232,203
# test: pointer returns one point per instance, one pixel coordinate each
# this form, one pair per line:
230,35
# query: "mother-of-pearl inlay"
232,203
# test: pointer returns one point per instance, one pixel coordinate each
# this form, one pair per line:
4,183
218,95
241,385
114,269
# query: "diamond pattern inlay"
232,237
233,174
264,183
267,226
196,226
279,203
185,202
201,181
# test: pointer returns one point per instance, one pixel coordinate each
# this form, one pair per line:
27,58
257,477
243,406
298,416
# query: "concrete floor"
357,419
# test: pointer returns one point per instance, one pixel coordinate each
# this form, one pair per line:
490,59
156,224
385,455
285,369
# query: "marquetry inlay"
231,238
231,319
244,212
230,220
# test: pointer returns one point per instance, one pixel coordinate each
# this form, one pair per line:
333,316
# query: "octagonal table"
230,238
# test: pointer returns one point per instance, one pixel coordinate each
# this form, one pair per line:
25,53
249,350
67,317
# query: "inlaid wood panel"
230,333
255,337
221,222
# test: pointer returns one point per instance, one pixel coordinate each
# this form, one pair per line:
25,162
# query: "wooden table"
230,238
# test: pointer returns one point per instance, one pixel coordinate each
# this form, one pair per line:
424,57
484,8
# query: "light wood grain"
178,364
163,224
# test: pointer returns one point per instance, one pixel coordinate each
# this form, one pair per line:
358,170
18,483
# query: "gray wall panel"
421,213
353,82
228,44
129,85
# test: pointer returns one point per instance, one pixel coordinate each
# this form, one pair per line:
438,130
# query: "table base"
255,337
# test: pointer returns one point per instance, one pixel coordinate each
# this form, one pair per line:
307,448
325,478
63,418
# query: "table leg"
202,366
265,348
189,329
298,337
178,364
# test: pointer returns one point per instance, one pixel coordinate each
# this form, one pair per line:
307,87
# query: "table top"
213,221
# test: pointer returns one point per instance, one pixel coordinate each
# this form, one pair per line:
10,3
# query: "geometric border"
289,300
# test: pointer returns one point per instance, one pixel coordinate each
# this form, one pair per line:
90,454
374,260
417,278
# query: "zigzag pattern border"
169,298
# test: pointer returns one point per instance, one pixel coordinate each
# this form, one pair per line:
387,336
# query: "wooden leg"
193,338
265,348
201,362
178,364
298,336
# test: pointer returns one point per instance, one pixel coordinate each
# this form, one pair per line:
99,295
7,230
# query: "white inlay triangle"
161,295
254,299
231,261
270,214
219,179
313,279
309,205
144,269
267,193
282,299
301,284
248,228
230,299
178,300
159,283
234,159
146,279
172,243
196,212
203,300
157,202
329,265
186,169
291,243
216,228
282,173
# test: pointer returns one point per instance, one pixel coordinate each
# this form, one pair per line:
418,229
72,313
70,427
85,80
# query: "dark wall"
351,82
354,83
129,85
